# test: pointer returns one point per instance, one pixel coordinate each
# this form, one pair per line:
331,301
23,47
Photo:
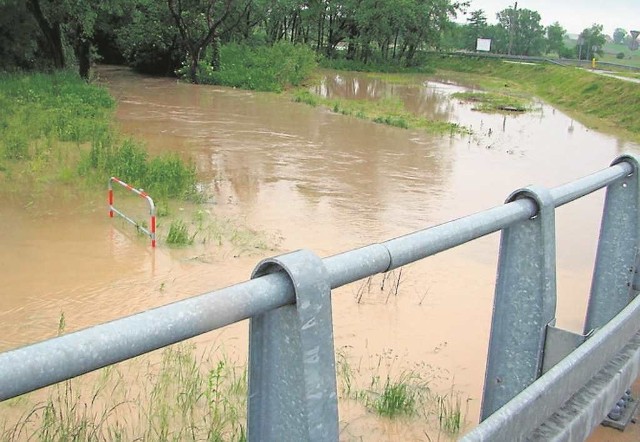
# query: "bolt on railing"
292,365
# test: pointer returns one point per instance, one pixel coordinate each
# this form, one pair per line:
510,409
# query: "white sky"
573,15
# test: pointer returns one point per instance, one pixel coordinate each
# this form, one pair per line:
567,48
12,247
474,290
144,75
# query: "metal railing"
534,370
151,231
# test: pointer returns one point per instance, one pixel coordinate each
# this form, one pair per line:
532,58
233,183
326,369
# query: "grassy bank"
57,137
388,111
56,129
262,68
601,103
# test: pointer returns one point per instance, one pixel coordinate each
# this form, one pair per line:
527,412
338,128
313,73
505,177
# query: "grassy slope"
600,102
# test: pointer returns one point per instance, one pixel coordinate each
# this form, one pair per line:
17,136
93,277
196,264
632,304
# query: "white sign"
483,44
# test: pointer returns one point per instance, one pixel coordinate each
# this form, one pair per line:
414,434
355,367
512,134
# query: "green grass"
390,390
342,64
262,68
388,111
179,234
56,129
494,102
601,103
180,397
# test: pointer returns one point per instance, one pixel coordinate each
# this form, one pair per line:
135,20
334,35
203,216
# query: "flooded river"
306,177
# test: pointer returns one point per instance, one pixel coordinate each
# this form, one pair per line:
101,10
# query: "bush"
262,68
620,55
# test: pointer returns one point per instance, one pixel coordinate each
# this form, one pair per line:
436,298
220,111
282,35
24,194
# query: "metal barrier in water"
151,231
542,383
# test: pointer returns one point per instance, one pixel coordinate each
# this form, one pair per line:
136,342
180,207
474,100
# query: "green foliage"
525,34
450,418
396,398
148,38
43,114
590,43
555,39
620,55
619,35
595,98
55,107
179,234
263,68
179,397
494,102
344,64
386,111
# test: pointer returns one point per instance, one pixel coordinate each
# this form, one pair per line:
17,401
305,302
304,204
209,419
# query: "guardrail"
558,61
534,370
151,231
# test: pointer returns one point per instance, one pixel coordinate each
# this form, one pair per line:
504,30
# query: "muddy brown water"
309,178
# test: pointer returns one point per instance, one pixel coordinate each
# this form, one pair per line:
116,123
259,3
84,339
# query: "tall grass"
388,111
600,102
183,397
390,389
262,68
56,128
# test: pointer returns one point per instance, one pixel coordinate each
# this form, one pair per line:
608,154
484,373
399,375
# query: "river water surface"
308,178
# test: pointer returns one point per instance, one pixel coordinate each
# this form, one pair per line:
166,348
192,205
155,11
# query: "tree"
526,34
618,36
149,38
555,38
476,28
198,23
590,42
18,47
72,22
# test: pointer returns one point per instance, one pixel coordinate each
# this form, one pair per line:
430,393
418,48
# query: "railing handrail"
151,231
194,316
44,363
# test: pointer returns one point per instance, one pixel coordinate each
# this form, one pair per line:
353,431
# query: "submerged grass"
57,129
494,102
183,397
391,390
600,102
388,111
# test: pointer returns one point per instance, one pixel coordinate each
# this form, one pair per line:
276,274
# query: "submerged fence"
541,382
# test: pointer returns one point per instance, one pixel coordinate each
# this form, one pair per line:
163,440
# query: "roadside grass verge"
388,111
601,103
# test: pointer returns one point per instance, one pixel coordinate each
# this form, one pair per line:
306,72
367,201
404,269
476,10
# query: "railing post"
524,303
613,276
292,377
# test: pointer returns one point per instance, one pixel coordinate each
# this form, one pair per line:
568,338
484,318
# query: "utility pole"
512,26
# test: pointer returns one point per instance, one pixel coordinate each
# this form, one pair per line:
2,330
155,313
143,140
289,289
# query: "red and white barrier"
152,209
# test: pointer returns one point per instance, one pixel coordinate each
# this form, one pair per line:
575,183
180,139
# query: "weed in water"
449,409
396,398
179,234
185,397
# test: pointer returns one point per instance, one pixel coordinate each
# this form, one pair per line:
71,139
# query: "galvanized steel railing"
292,383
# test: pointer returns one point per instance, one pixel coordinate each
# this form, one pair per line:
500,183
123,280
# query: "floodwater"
308,178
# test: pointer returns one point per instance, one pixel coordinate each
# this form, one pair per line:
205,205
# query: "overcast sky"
573,15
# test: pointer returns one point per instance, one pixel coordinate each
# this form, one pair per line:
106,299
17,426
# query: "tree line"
166,36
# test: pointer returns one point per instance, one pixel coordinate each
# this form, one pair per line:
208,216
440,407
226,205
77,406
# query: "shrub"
263,68
620,55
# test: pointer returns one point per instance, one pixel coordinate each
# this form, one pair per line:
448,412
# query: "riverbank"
601,103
